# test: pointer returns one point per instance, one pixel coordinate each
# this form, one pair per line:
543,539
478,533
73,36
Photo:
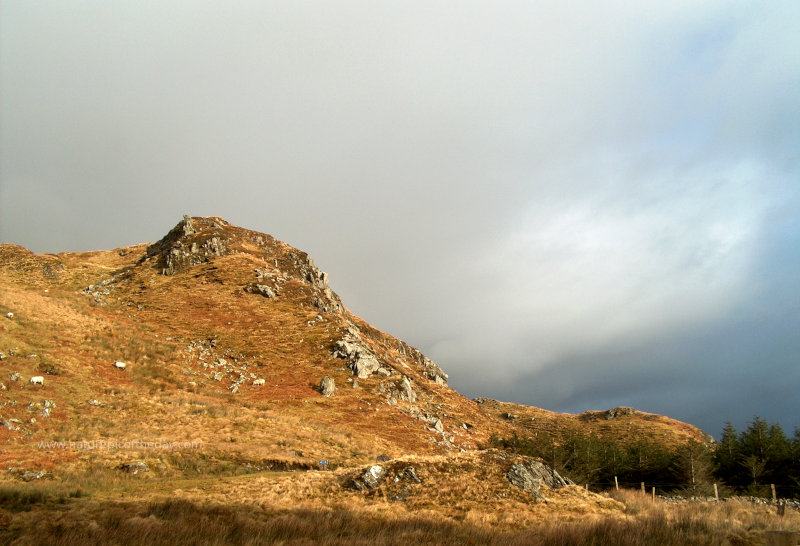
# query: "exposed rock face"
324,298
327,386
185,246
533,474
360,359
429,367
363,362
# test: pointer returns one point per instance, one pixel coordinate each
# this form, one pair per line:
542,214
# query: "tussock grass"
189,522
17,497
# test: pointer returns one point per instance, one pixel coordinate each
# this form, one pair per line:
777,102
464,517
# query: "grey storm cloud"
570,207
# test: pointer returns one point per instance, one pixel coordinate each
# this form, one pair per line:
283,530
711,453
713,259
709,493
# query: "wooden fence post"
774,496
643,493
616,483
716,492
654,494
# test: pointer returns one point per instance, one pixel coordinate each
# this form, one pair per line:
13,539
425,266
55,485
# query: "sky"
572,205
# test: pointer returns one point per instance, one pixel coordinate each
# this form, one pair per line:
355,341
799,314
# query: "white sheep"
119,365
37,380
9,315
258,382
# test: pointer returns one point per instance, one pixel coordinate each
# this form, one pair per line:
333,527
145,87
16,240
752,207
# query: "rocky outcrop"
360,359
431,370
134,467
531,475
363,362
191,242
620,412
406,392
324,299
261,289
327,386
370,479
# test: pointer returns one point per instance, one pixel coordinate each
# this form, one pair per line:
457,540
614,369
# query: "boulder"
352,348
327,386
134,467
365,365
373,476
533,474
30,475
261,289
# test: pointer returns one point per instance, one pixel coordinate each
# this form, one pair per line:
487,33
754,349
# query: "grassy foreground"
57,514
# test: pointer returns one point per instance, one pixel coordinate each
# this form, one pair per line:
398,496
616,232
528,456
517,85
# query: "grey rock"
352,348
327,386
431,370
438,426
134,467
383,458
533,474
188,227
406,391
373,476
262,289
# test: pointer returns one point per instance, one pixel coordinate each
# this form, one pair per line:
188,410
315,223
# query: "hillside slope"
226,335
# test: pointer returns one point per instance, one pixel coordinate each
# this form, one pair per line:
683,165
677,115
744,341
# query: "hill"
239,359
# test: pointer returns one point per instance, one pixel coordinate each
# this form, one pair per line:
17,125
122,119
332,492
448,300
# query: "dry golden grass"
61,514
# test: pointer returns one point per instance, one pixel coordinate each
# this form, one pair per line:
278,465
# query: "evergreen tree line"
740,463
